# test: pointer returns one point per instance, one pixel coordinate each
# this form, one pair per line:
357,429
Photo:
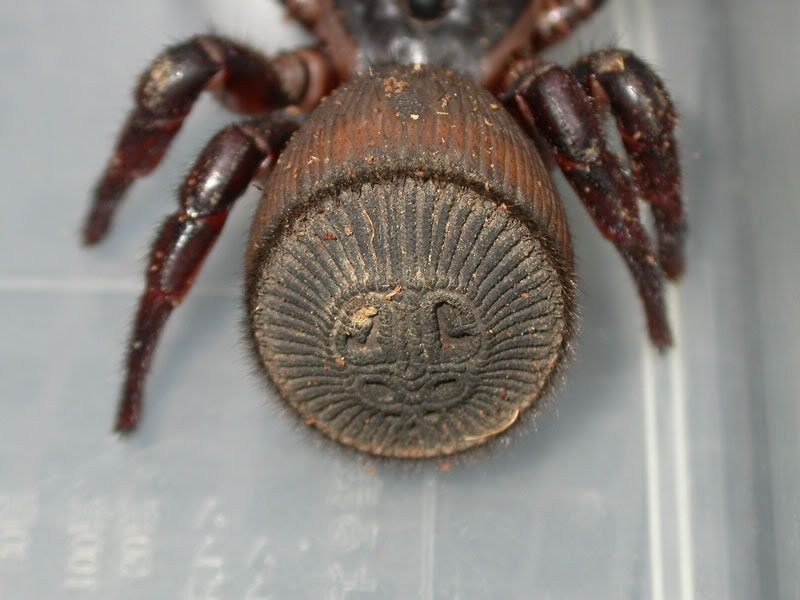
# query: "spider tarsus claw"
124,429
95,229
671,255
672,265
107,196
662,340
127,416
658,327
124,426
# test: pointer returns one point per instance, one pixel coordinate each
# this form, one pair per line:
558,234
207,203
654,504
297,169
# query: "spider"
409,276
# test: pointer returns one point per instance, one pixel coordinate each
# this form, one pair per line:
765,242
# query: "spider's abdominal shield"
410,279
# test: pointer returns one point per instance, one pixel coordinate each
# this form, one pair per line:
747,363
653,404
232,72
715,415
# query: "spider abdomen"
410,281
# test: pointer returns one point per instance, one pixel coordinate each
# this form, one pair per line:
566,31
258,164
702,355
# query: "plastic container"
646,476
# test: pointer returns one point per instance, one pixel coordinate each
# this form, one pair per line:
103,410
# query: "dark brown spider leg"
221,174
646,120
321,18
540,24
559,17
566,119
245,81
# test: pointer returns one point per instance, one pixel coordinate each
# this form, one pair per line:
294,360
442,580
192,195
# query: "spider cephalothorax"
453,34
409,273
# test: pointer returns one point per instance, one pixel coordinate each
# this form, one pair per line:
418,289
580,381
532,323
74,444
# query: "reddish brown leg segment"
559,17
245,80
564,115
322,19
646,120
221,174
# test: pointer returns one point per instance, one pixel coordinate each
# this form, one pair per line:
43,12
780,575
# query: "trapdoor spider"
410,281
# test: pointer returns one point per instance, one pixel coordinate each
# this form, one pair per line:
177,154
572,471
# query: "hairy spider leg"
221,174
565,118
321,19
558,18
245,81
646,120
